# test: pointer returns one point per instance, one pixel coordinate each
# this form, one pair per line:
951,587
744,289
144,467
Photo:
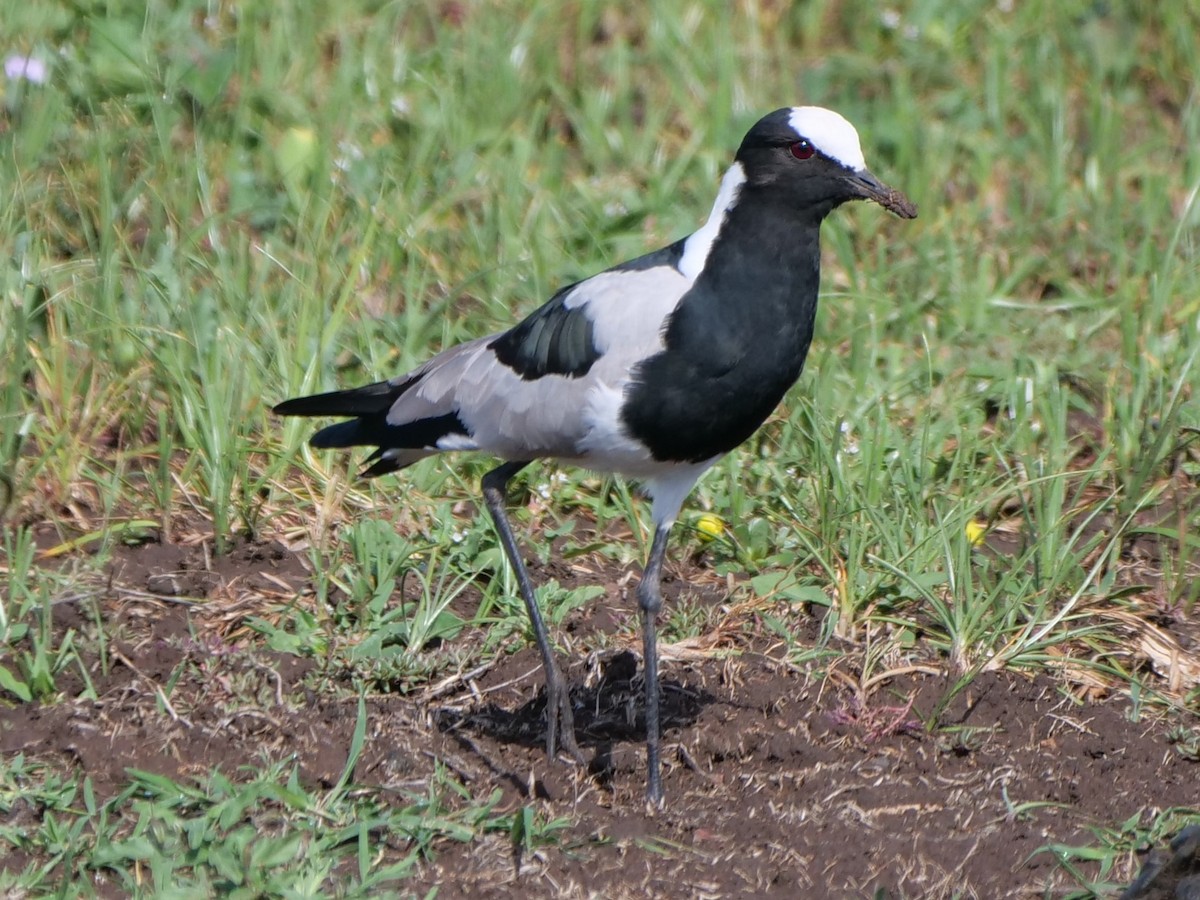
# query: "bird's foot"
560,720
654,791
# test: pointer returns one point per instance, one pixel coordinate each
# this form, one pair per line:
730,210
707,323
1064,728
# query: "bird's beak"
867,187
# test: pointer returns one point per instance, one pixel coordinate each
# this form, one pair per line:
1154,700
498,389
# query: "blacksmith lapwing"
653,369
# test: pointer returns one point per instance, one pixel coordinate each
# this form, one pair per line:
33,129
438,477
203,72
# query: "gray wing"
551,386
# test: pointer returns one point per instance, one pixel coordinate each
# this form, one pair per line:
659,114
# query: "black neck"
738,338
758,289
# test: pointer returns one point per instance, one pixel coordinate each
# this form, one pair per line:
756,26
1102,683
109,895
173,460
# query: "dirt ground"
778,784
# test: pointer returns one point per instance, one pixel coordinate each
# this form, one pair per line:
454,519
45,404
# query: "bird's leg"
650,600
560,723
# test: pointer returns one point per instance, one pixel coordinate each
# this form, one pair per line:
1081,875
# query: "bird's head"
812,156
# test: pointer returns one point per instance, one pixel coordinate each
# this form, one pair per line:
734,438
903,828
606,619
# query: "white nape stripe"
696,247
830,133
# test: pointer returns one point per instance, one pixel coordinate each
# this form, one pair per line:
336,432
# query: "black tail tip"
288,407
338,436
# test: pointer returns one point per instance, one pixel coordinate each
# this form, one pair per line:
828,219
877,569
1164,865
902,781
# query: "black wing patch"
554,340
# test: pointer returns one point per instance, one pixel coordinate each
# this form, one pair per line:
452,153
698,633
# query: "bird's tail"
397,445
364,401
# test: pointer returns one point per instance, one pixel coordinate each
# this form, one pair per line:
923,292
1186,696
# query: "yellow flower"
976,532
709,527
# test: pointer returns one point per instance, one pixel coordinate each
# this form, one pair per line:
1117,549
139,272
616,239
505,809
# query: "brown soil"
778,783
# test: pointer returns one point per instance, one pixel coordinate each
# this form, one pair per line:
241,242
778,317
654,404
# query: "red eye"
802,150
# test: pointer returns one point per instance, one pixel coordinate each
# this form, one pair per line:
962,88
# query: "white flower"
27,68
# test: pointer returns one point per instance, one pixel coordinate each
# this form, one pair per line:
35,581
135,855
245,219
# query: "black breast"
735,344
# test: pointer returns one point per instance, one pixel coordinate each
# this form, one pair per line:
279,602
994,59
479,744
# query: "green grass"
208,210
1111,843
259,833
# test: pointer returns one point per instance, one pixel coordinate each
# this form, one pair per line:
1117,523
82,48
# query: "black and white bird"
653,369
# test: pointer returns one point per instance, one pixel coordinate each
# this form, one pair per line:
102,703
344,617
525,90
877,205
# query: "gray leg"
650,600
560,723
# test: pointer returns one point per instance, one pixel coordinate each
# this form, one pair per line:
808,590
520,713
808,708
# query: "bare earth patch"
778,783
